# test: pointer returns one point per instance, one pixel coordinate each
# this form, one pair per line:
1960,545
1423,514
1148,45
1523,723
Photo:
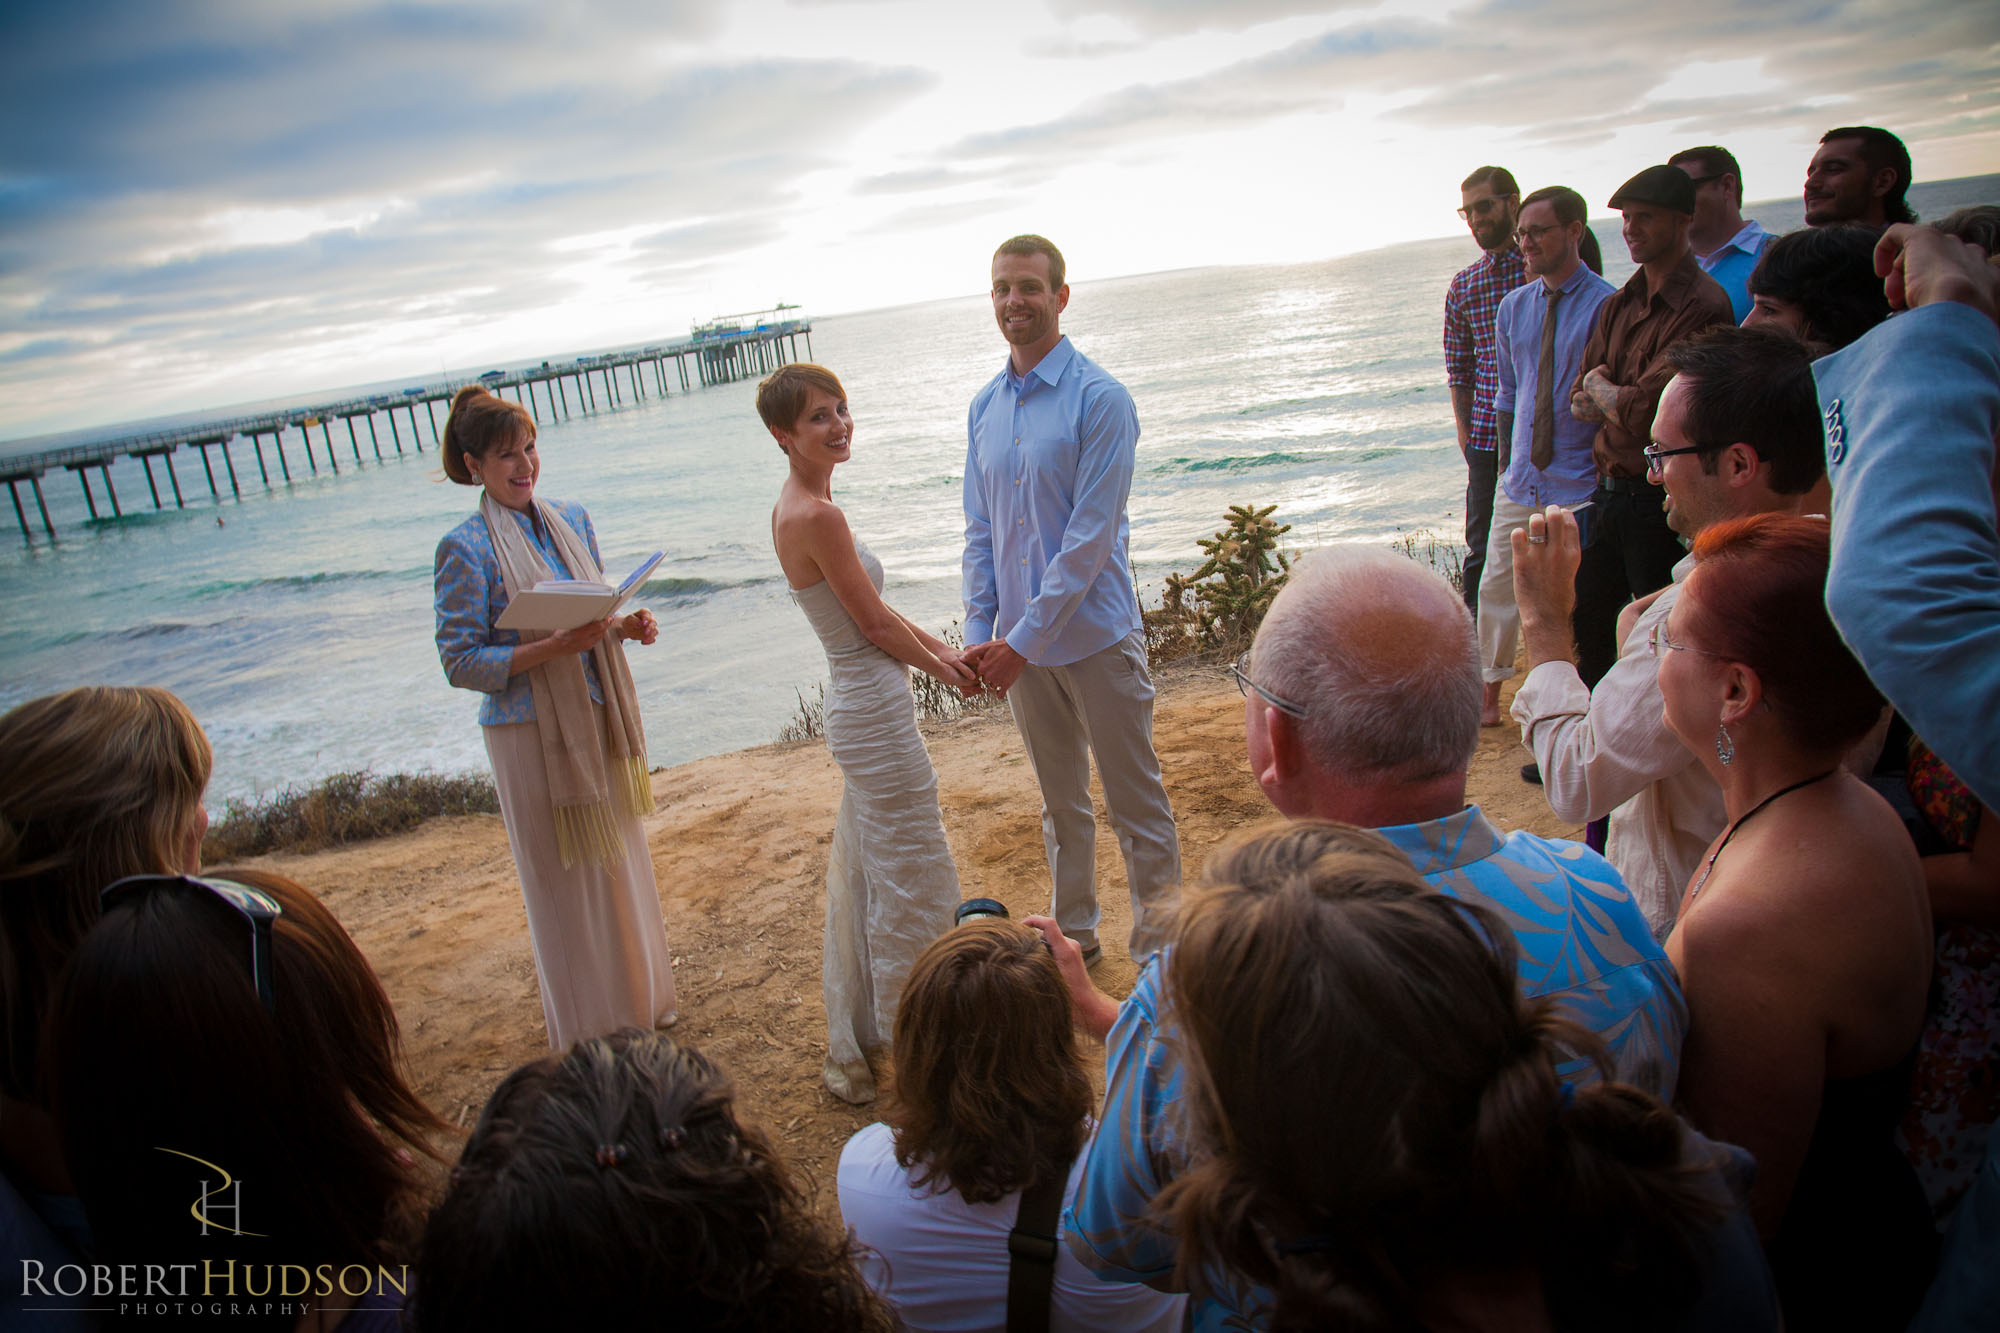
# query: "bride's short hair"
782,395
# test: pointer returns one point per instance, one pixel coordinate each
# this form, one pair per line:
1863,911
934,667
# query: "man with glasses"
1545,453
1737,433
1725,246
1490,209
1361,704
1630,551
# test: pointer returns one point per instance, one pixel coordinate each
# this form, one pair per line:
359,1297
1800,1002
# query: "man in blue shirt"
1725,246
1051,619
1361,705
1545,455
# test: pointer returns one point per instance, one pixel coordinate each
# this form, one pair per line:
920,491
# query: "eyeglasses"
1240,669
257,907
1481,207
1535,234
1656,639
1656,456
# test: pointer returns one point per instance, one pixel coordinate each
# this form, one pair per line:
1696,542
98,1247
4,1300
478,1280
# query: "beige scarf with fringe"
581,775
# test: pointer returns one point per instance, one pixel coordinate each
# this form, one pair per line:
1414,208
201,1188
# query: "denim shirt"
470,597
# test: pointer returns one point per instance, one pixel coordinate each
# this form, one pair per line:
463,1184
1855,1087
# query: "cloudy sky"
208,203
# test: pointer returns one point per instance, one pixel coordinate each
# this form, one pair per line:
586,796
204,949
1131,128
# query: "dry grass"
347,807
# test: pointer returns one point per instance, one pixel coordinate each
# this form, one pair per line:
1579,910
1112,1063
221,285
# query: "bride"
890,882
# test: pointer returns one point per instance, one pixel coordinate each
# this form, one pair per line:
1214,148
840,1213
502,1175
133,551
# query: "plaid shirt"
1470,304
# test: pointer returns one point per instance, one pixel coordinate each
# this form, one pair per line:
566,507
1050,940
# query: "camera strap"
1031,1253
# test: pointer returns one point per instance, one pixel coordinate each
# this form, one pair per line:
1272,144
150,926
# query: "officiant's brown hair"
478,424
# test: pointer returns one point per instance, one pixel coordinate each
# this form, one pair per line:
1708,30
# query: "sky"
208,203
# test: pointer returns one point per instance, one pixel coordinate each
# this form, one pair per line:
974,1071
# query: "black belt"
1626,485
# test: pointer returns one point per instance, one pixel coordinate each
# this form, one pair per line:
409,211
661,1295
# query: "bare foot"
852,1082
1489,708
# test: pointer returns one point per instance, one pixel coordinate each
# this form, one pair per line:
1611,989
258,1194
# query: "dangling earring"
1725,749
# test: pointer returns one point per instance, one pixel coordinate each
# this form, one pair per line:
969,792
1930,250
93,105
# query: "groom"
1050,611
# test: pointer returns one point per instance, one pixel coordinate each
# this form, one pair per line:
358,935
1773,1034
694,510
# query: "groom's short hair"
782,395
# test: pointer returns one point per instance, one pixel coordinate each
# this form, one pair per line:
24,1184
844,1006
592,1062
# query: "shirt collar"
1746,239
1049,369
1583,274
1675,289
1440,845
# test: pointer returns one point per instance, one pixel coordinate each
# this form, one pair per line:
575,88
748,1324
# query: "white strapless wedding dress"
891,885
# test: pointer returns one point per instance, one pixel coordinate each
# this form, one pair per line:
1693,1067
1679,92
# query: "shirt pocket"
1051,460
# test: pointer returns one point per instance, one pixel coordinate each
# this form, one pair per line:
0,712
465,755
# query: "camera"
979,909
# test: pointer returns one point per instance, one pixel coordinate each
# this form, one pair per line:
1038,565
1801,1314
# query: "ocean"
299,627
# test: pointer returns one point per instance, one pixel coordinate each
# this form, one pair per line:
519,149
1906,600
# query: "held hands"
639,625
1546,555
996,663
1921,266
957,674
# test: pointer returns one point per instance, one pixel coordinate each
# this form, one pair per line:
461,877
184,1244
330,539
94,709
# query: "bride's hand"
956,674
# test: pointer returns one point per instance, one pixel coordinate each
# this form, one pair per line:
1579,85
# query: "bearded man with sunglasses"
1491,208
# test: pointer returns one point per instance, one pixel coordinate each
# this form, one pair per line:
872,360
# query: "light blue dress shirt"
470,595
1572,476
1911,410
1048,467
1732,264
1582,940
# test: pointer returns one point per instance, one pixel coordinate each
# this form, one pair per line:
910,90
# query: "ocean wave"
685,589
1231,462
226,586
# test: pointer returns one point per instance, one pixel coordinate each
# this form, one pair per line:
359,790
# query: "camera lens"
975,909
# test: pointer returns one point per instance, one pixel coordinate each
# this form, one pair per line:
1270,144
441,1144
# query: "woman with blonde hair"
988,1114
562,729
890,880
95,783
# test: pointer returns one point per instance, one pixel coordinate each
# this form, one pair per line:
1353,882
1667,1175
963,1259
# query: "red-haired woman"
562,731
1804,939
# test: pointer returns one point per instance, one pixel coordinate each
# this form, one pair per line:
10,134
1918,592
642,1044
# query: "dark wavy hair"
1756,386
614,1184
96,783
158,1040
990,1093
1758,597
1880,149
480,423
1373,1108
1829,274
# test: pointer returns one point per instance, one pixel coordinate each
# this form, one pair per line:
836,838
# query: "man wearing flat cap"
1629,550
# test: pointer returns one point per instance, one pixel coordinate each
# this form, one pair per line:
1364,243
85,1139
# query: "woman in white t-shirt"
990,1098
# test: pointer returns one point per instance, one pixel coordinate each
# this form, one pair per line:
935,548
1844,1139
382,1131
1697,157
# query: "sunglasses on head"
257,907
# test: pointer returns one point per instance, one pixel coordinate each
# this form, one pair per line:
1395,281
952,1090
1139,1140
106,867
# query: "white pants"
1499,617
600,945
1101,706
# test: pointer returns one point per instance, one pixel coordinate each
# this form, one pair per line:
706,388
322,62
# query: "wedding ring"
1538,541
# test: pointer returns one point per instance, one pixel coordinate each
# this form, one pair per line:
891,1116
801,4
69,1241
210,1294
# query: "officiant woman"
562,731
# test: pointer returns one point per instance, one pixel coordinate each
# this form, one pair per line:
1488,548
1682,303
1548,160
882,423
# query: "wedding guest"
614,1183
1725,244
562,730
890,881
1362,705
1380,1133
1489,205
96,783
1860,173
1819,283
982,1141
228,1027
1804,939
1051,621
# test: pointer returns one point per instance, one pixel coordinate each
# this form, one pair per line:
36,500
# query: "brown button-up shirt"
1634,329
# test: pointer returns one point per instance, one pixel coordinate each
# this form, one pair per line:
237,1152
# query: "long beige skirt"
600,945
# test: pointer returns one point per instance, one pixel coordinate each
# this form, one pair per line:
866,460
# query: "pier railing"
711,357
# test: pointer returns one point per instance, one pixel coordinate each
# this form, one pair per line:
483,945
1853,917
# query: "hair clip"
611,1155
673,1137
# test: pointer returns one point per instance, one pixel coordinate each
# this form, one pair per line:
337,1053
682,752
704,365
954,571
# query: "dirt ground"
739,844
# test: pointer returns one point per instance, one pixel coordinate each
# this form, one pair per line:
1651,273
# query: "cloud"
1162,18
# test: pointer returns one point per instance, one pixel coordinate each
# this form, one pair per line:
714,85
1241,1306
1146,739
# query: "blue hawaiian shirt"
1582,938
470,597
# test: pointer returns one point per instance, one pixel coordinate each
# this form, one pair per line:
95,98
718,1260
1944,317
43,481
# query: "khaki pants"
1101,706
1499,617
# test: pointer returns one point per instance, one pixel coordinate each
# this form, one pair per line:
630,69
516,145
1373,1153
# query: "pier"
732,347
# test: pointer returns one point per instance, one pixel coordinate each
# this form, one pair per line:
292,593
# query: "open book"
559,604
